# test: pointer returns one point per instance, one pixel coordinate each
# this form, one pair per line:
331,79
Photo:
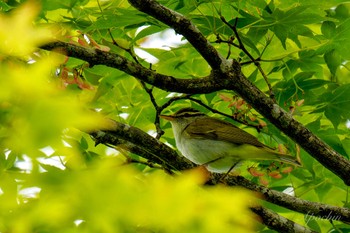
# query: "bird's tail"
274,155
288,159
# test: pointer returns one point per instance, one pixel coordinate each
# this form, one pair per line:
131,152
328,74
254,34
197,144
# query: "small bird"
217,144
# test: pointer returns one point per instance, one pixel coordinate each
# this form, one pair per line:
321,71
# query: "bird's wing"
214,129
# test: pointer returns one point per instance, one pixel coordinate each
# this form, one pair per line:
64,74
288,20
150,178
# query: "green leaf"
49,5
346,146
4,6
331,138
246,41
253,75
311,222
122,18
337,104
307,61
342,11
282,33
333,60
291,23
9,162
51,169
256,34
297,86
338,41
83,144
259,3
328,29
315,125
299,30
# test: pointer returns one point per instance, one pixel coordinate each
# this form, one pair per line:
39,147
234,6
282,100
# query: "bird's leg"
229,170
212,161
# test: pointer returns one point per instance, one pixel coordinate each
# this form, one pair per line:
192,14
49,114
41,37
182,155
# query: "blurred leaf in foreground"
107,199
17,35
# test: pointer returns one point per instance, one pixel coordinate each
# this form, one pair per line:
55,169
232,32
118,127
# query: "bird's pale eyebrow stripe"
189,114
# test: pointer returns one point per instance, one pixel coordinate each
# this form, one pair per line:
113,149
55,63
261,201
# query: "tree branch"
182,26
277,222
273,221
165,82
154,150
293,203
141,143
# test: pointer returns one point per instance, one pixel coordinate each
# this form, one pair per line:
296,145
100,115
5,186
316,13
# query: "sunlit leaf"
17,35
127,201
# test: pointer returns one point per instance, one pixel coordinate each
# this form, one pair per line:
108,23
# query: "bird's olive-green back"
216,129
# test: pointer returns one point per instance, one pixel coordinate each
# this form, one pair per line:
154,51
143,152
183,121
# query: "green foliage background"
304,50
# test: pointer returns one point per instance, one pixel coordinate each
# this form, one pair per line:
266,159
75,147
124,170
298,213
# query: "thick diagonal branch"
182,26
155,151
232,79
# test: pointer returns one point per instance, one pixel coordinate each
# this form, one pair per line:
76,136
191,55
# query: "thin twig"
257,127
242,47
229,42
189,97
149,91
128,50
173,99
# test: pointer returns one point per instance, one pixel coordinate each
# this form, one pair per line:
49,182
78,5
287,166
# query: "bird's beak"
167,117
